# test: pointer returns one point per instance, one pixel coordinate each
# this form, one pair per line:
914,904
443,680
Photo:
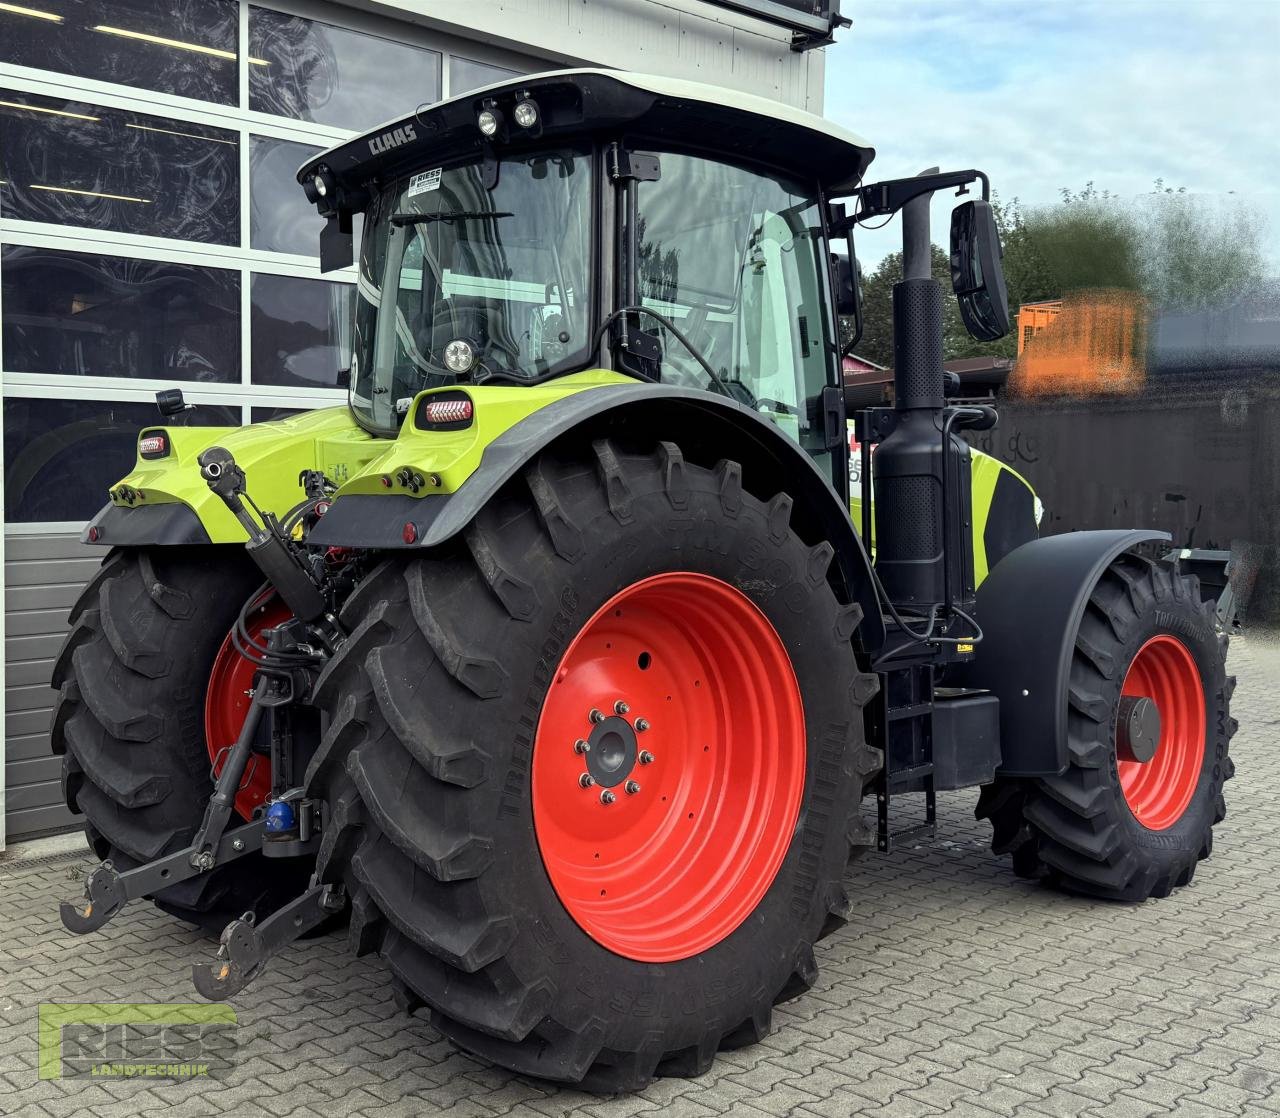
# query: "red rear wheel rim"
672,869
1158,791
227,702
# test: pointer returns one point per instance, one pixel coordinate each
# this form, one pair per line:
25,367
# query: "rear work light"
450,412
155,445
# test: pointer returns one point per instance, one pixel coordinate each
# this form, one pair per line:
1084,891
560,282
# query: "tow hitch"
288,824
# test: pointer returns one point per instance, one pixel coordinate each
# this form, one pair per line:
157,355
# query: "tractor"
555,666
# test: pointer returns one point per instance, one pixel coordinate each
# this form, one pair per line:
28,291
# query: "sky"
1045,94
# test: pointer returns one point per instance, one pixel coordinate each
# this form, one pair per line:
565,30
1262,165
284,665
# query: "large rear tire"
1118,824
547,928
130,720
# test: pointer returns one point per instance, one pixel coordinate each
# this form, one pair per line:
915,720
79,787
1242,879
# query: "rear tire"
436,748
129,720
1108,827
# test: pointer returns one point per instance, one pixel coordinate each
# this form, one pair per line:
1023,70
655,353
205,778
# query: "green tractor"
555,664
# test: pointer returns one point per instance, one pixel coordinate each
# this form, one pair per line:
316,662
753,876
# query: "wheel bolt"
607,797
620,707
585,780
642,724
645,758
581,746
595,715
632,787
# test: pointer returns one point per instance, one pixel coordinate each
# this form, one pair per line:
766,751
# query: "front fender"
706,427
1030,608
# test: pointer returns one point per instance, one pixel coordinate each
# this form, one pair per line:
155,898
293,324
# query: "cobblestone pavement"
957,989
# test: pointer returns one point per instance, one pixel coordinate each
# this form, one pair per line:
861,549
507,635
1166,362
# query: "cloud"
1045,96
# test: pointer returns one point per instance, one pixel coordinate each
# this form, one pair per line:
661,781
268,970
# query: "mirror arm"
888,197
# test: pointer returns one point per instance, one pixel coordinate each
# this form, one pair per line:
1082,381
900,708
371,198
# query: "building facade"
152,235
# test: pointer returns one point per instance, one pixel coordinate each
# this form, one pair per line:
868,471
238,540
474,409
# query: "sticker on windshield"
428,180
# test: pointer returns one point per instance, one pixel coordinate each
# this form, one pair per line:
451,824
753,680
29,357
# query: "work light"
526,113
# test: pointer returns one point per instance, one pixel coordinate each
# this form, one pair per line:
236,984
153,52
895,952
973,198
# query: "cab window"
734,258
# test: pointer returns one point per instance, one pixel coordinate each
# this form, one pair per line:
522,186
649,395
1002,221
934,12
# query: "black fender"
164,525
1029,608
707,428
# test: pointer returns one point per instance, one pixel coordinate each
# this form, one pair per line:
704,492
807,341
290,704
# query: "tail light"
153,444
447,411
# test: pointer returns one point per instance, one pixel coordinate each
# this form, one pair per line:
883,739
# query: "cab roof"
581,103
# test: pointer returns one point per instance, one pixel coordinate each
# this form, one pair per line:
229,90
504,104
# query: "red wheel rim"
672,869
227,702
1158,791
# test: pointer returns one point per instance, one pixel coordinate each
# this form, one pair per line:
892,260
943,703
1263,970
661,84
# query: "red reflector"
447,411
95,534
386,481
410,533
154,445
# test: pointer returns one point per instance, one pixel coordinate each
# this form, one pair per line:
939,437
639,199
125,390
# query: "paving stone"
956,988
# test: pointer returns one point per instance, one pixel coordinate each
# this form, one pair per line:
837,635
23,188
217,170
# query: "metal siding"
43,575
678,38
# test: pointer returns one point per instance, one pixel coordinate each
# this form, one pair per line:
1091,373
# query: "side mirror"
977,275
848,281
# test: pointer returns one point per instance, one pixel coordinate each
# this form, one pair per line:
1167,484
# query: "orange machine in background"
1088,343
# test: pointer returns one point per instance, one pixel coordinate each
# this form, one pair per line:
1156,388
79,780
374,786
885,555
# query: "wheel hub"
612,750
1137,728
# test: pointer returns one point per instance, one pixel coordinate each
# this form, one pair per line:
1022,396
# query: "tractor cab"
587,219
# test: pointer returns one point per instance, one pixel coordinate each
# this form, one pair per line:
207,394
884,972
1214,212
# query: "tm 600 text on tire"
134,679
1149,725
595,772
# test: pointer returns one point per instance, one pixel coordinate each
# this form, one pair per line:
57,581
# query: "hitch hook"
245,947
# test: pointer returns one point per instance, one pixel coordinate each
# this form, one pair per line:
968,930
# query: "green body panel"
272,455
984,475
445,459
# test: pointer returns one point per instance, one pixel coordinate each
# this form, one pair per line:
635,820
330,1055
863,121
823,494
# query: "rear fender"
165,501
707,428
1030,607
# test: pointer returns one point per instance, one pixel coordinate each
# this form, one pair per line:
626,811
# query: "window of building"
75,163
85,314
465,75
314,71
299,331
61,456
280,217
183,47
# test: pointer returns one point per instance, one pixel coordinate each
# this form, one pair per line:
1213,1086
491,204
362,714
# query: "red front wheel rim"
1158,791
699,738
227,703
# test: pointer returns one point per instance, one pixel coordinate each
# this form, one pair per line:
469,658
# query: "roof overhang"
584,103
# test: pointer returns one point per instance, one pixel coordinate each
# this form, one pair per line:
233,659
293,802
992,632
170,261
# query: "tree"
1181,252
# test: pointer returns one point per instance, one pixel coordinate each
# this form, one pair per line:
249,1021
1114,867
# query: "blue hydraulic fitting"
280,817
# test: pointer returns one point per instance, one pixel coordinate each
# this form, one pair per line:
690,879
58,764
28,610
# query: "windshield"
453,256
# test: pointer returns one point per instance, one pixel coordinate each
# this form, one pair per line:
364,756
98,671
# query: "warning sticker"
428,180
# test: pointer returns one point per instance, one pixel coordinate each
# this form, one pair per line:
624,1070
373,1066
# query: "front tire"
1118,824
589,942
